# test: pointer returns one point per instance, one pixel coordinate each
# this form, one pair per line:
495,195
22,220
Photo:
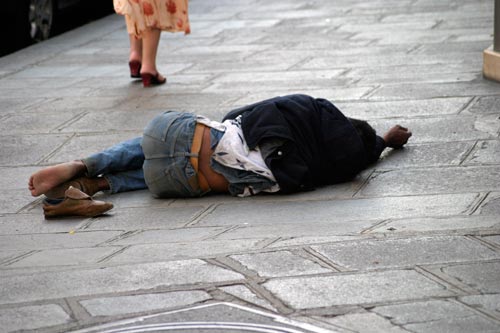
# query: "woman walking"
145,20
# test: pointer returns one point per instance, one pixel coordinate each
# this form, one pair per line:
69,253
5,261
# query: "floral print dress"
166,15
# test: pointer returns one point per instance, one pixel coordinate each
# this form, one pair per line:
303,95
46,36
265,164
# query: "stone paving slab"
13,224
437,316
426,155
279,263
482,276
365,322
341,210
409,252
434,180
406,109
56,240
29,149
52,285
322,291
185,250
443,224
242,292
112,306
140,218
33,317
419,230
64,257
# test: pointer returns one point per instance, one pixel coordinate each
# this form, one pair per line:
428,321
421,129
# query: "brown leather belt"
195,154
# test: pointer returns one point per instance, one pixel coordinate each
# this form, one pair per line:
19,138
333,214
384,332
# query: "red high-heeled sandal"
135,69
149,79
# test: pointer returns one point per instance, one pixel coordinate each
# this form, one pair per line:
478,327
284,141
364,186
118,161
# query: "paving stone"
245,294
486,152
337,94
493,239
390,253
480,276
301,241
12,105
436,316
437,129
364,323
11,224
112,121
28,149
407,75
279,263
339,210
322,291
447,223
485,105
6,255
424,311
34,125
170,236
112,306
76,103
434,180
222,317
15,178
283,83
431,90
491,205
57,240
425,155
32,317
52,285
489,302
184,250
400,109
391,59
81,146
302,229
12,201
65,257
143,218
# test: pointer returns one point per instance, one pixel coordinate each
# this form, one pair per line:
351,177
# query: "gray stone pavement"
411,245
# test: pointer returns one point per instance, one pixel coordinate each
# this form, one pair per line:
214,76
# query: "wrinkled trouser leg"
120,164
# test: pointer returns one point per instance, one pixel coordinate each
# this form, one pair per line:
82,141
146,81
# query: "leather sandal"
76,203
87,185
149,80
135,69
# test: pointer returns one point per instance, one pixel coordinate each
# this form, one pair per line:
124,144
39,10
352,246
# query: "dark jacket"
318,144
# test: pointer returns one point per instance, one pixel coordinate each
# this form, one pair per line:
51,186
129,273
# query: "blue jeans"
160,160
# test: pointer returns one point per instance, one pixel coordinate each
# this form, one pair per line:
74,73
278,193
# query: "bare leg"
46,179
135,49
150,41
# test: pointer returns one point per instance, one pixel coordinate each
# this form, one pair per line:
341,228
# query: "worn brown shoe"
76,203
89,186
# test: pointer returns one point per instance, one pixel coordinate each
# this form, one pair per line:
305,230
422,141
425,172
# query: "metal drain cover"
211,318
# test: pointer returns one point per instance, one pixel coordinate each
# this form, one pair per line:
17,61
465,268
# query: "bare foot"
44,180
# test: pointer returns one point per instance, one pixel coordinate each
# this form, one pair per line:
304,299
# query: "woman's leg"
150,42
135,48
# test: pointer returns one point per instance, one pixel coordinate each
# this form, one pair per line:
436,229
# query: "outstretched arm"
397,136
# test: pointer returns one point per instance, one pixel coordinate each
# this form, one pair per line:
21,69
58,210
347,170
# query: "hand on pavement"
397,136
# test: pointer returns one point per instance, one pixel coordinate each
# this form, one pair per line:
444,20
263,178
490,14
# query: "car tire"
41,16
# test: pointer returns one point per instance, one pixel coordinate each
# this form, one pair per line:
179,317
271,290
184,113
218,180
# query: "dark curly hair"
366,133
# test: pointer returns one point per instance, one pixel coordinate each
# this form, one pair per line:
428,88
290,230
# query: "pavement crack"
198,217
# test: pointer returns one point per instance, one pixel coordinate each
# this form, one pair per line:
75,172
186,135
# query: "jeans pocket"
160,125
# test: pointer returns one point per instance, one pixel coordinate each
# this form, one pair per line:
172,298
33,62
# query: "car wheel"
41,18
